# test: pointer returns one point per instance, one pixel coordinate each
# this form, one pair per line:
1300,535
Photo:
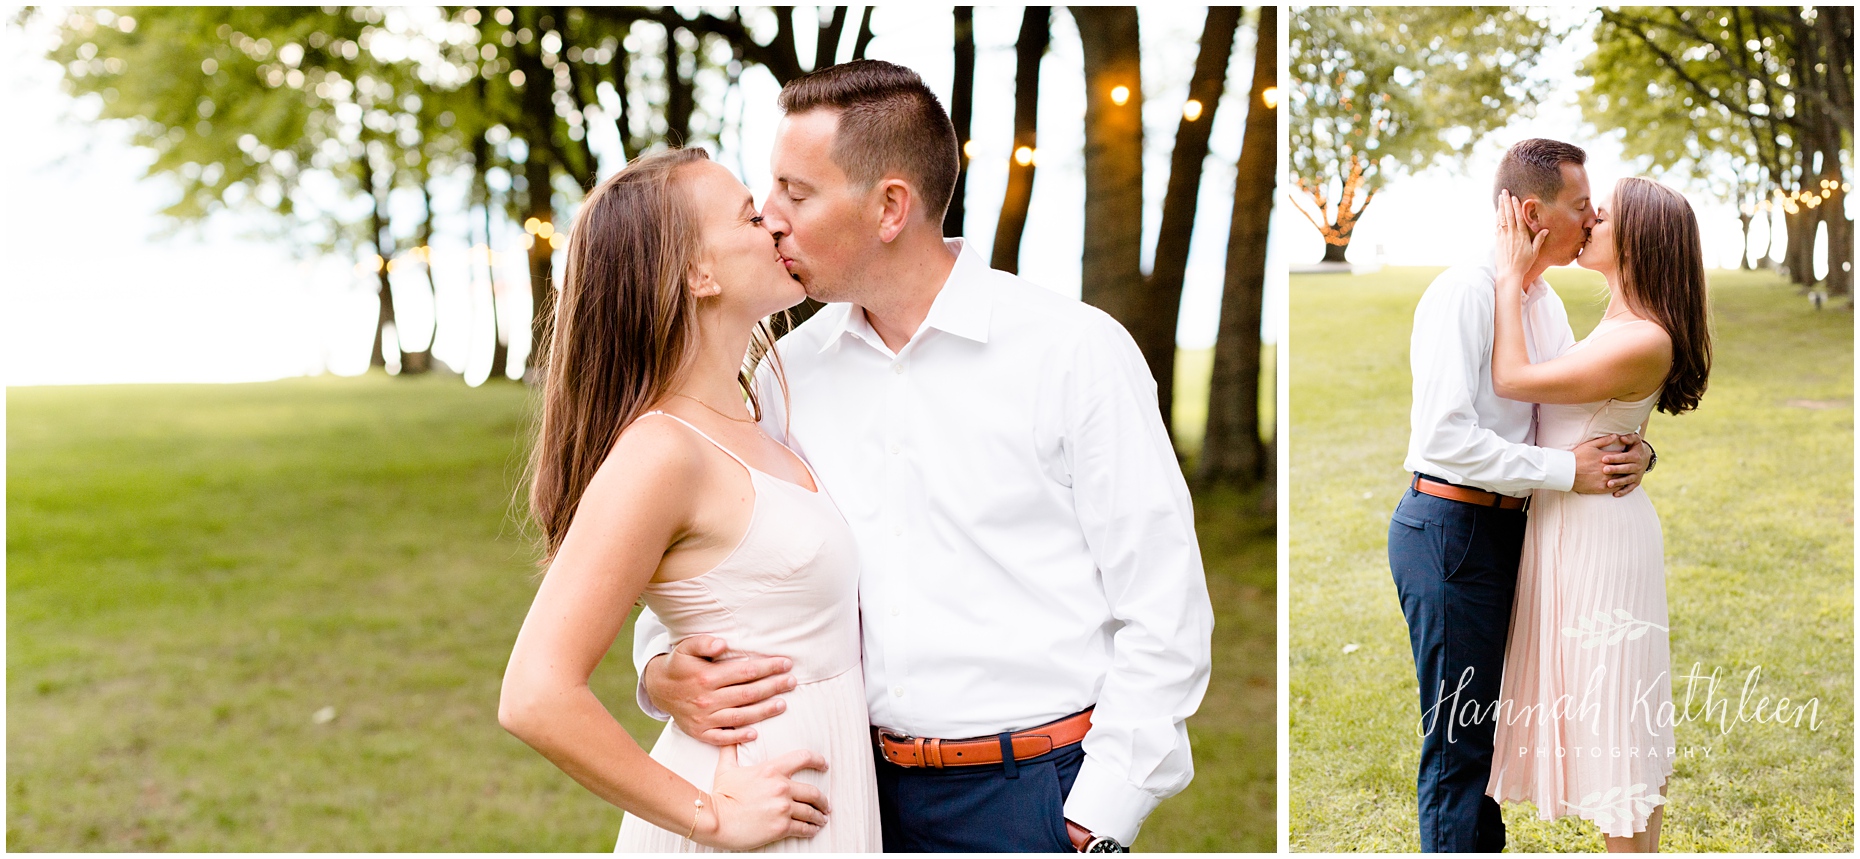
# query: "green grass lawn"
1755,496
194,572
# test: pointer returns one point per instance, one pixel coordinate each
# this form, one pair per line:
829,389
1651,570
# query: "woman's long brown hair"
1662,265
624,328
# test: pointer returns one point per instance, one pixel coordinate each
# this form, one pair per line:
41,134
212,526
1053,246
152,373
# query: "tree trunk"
500,338
1232,454
1840,241
1334,253
1833,212
540,120
481,192
383,318
827,42
864,38
1802,223
542,274
621,68
383,241
961,110
681,93
1743,256
1036,32
1112,265
422,360
1160,304
1799,251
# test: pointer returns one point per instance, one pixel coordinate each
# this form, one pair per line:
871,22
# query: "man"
1029,564
1455,537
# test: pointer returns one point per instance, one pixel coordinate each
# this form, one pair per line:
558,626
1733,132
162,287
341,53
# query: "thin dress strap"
706,436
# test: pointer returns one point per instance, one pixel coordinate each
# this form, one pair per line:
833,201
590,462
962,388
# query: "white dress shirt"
1460,430
1026,538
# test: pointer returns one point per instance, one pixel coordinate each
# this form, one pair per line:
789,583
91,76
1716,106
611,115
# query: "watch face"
1105,845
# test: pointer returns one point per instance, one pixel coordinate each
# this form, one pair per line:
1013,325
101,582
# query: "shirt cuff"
1559,470
645,701
1107,805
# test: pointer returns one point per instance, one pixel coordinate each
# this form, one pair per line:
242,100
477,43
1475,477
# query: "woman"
1586,717
652,482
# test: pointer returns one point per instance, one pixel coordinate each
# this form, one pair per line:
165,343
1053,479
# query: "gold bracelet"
697,810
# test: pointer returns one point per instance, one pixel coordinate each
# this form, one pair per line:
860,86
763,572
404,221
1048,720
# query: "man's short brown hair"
1534,168
890,122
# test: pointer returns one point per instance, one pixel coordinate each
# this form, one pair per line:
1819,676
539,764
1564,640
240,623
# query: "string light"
1271,97
1024,156
968,149
1120,94
1191,111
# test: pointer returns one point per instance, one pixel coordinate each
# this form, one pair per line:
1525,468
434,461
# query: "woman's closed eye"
757,220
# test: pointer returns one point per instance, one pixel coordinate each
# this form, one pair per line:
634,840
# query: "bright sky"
1441,214
97,287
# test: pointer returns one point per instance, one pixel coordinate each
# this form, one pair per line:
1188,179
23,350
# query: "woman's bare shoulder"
655,460
1644,337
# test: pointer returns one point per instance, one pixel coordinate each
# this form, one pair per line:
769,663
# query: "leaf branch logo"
1601,629
1632,804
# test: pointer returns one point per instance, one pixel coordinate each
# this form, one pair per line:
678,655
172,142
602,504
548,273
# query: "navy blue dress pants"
1002,808
1456,568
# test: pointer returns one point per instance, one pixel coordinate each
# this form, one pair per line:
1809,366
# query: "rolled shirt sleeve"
650,638
1452,437
1134,511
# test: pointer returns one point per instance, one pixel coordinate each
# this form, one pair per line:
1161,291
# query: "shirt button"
897,691
895,611
897,531
898,368
895,448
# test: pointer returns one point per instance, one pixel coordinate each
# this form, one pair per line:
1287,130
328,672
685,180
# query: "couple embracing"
1530,571
923,579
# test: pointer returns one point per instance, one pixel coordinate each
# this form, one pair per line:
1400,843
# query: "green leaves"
1402,87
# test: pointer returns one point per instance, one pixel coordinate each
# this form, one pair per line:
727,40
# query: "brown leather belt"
907,751
1467,494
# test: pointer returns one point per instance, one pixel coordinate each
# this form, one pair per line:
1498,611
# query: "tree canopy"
1386,89
1754,104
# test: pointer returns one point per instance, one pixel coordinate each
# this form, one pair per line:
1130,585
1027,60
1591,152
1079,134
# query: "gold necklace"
750,421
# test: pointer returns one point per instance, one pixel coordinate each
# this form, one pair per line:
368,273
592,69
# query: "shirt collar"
1532,291
962,307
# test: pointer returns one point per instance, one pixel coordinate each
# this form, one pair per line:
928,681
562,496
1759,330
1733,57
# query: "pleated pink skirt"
1585,718
826,716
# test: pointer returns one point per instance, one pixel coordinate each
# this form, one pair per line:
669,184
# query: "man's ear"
1533,214
896,203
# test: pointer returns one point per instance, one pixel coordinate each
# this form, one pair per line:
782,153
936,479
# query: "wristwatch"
1085,842
1653,456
